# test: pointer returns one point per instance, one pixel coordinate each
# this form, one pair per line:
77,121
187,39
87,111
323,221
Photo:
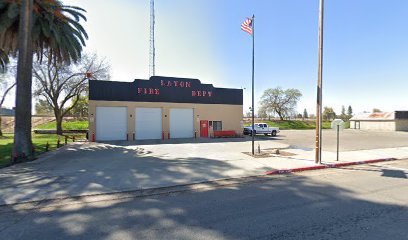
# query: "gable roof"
375,116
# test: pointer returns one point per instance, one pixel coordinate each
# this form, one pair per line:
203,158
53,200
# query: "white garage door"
148,123
111,123
181,123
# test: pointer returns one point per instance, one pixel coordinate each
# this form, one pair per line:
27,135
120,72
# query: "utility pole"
318,157
152,55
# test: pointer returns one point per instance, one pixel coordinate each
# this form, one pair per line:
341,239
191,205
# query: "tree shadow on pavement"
283,208
101,168
384,170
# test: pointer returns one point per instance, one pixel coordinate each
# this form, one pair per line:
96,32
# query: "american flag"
247,26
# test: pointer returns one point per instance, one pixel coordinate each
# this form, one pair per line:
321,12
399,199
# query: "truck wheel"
273,133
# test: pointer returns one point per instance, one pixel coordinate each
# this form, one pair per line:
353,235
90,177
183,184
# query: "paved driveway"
93,168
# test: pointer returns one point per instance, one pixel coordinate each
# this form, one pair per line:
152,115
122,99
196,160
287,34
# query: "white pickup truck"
261,128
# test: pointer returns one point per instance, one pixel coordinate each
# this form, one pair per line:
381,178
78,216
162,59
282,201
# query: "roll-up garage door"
181,123
111,123
148,123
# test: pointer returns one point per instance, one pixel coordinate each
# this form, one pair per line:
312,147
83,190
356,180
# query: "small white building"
383,121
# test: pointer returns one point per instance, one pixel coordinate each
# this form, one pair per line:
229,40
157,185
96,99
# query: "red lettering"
156,91
151,91
210,94
188,84
175,83
193,93
169,84
139,90
199,93
181,84
204,93
145,91
162,83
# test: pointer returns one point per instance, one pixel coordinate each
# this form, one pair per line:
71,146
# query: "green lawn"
298,124
39,141
66,125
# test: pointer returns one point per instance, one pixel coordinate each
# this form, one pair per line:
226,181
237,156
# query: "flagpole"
253,67
318,151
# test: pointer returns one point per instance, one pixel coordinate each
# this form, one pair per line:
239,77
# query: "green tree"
81,107
42,107
329,114
376,110
262,113
279,101
35,26
305,114
349,111
343,114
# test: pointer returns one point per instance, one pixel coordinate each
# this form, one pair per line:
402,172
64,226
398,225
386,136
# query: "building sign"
164,89
174,84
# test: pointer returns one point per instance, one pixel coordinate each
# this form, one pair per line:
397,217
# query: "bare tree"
279,101
329,114
61,85
5,87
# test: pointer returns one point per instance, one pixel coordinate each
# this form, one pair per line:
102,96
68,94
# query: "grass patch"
295,124
39,141
66,125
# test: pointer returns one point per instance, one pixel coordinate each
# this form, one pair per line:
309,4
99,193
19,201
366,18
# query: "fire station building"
162,108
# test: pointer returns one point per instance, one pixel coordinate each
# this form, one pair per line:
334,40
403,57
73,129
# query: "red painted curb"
330,165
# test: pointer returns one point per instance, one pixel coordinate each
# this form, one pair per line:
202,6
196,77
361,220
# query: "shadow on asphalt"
393,173
97,168
291,208
385,172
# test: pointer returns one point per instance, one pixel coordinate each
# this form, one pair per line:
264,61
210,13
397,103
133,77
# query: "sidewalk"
96,168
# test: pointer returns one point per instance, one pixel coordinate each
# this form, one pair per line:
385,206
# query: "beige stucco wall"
374,125
352,124
401,125
230,115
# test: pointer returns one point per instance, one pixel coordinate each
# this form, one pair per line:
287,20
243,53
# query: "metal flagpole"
253,64
318,157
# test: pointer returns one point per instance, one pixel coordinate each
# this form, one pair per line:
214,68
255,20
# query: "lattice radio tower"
152,55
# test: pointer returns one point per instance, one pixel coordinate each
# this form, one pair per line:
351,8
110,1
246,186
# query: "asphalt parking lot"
350,139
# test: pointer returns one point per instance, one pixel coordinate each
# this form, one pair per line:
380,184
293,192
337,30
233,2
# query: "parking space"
350,139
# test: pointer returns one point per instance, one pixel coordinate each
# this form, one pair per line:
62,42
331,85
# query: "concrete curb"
328,165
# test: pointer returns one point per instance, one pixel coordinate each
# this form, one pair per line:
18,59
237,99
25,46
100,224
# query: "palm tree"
55,30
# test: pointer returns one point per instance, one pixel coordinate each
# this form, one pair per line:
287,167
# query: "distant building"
6,112
386,121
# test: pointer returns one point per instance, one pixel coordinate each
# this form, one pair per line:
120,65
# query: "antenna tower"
152,56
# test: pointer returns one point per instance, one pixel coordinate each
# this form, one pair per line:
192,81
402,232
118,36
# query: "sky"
365,62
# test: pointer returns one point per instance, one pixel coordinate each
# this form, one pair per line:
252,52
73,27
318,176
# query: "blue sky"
365,46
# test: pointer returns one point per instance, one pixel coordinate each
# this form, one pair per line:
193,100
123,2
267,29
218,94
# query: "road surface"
357,202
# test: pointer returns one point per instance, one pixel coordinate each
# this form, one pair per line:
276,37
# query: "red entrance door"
204,128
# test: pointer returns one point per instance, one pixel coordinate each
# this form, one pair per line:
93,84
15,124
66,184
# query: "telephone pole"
318,157
152,54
